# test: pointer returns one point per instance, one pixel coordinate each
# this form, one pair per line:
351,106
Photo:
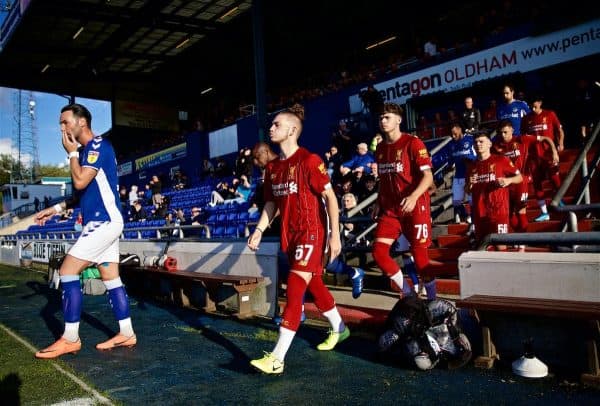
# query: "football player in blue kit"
94,176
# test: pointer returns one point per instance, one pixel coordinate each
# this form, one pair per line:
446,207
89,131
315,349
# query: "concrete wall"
562,276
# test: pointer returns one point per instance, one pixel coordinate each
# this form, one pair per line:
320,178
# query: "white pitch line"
60,369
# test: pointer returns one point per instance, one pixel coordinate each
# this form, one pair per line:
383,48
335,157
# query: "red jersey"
544,124
517,150
400,168
295,186
489,199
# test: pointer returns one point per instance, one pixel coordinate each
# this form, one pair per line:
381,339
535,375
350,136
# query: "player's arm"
426,182
82,176
549,141
333,210
561,139
269,212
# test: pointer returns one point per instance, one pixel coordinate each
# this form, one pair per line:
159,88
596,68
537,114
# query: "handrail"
583,194
571,238
566,183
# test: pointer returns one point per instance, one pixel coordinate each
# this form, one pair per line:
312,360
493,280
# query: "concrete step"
453,241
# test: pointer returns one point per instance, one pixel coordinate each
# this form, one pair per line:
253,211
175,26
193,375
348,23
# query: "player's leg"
72,303
119,302
388,230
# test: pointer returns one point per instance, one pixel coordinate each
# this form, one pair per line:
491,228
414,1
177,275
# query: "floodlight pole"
259,68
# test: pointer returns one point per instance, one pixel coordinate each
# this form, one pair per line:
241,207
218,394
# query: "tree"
53,171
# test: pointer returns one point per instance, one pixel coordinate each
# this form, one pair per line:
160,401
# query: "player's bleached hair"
296,112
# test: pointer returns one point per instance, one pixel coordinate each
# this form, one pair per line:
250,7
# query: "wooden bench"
243,285
565,309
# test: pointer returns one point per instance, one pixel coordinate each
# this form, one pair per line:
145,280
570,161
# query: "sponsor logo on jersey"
92,156
423,153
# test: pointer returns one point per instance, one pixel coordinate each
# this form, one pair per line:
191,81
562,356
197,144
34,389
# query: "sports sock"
320,293
410,269
431,289
398,279
337,324
543,207
72,299
523,222
120,305
286,336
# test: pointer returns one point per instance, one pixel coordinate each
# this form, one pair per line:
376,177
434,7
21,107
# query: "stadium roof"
171,50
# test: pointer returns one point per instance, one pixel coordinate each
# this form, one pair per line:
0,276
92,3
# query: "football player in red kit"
488,178
518,150
543,122
403,206
295,186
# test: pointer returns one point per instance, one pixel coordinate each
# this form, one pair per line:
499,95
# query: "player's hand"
555,159
254,240
560,147
375,211
408,204
44,215
69,142
335,246
503,182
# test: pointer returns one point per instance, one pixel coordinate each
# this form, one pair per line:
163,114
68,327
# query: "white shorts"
99,242
458,190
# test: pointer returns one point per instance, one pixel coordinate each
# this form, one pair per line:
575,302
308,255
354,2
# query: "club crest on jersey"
92,156
398,155
292,172
493,167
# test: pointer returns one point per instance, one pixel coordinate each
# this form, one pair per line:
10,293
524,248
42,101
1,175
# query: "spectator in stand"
208,169
36,204
430,48
471,117
351,230
196,216
263,154
517,149
179,180
424,130
242,190
156,186
461,153
512,109
297,187
222,192
360,162
370,187
403,205
544,123
585,108
124,201
133,195
46,202
488,179
333,160
138,213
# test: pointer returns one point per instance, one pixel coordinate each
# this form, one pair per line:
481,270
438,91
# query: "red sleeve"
508,168
420,155
317,174
267,189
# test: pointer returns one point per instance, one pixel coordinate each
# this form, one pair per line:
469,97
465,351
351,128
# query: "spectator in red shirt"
296,184
403,206
487,179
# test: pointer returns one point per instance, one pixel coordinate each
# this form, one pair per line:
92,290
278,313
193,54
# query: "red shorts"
486,225
518,194
305,252
415,226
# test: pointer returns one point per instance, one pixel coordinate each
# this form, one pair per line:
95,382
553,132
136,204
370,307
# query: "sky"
46,116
